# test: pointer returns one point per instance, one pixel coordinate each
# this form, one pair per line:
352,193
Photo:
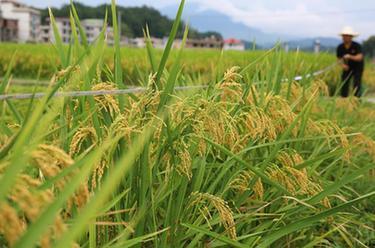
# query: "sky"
305,18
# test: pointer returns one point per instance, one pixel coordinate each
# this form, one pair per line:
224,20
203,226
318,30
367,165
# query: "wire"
88,93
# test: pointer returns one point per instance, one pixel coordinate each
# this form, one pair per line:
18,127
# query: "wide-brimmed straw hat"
348,31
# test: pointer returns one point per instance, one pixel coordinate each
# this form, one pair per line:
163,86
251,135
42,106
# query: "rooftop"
21,7
233,41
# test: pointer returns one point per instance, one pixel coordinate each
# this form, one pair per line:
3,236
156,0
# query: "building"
63,26
8,29
91,27
234,44
140,42
159,43
45,35
28,20
137,42
209,42
110,37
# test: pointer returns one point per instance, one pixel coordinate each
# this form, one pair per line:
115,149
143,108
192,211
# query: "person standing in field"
351,58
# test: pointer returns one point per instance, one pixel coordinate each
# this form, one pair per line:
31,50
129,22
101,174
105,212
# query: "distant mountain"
326,43
204,20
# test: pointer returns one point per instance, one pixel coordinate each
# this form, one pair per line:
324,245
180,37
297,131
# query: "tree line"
133,20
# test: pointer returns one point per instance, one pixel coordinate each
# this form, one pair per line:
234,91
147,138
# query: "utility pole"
317,46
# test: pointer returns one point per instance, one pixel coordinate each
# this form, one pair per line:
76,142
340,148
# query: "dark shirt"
354,49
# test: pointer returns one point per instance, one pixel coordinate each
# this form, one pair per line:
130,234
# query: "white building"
157,43
45,33
91,27
138,42
28,18
8,30
63,26
234,44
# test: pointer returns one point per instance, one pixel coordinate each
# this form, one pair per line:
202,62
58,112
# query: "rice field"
252,160
33,61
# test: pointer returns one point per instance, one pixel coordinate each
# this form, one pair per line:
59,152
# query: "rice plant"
251,161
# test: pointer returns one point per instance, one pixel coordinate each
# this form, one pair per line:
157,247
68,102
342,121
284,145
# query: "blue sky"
300,18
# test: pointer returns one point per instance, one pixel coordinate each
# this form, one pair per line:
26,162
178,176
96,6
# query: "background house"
63,26
209,42
8,29
92,28
234,44
28,20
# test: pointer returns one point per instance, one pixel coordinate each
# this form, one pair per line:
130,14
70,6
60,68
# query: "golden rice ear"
280,113
107,103
151,83
259,125
221,206
230,89
61,74
301,178
242,181
330,130
98,173
184,167
12,227
278,175
320,86
231,92
365,143
83,134
51,160
30,202
289,158
232,75
121,127
347,104
4,139
293,91
253,96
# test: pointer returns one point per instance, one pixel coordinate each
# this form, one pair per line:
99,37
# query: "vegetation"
32,61
133,20
251,161
199,67
369,47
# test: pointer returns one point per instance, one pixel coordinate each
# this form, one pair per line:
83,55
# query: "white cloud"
301,18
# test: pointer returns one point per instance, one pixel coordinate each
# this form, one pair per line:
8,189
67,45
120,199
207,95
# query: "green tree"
369,47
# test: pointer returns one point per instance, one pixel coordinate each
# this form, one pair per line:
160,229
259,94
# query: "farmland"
32,61
253,160
41,61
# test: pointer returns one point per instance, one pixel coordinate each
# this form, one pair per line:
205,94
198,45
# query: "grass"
240,164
